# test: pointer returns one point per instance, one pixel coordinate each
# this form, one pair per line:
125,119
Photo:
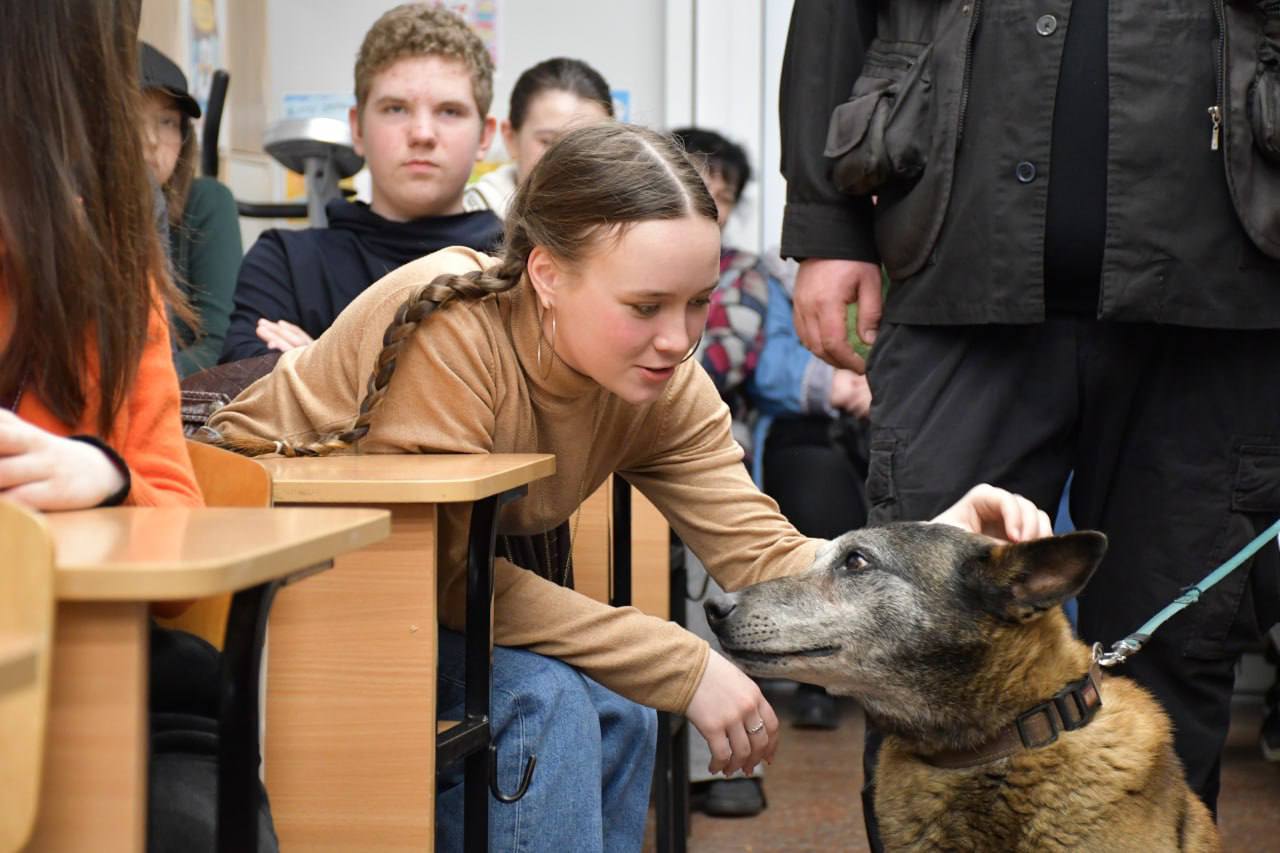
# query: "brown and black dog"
956,646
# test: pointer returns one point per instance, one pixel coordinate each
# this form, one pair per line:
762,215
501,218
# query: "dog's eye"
856,561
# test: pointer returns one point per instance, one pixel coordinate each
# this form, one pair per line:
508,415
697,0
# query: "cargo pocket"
882,495
880,135
1229,621
1264,101
1251,119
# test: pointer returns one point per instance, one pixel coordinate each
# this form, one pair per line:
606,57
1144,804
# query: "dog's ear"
1021,581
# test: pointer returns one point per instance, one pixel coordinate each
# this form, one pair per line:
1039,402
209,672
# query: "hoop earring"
552,346
696,344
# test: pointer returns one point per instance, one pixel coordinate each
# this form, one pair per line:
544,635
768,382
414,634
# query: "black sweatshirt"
308,276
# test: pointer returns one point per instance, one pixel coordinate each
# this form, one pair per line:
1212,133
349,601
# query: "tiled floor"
812,790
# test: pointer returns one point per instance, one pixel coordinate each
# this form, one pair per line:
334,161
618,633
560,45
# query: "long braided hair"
593,183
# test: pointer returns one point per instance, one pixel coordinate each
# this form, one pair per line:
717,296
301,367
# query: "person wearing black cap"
203,226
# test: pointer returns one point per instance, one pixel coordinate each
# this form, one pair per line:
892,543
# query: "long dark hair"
81,255
591,184
558,75
178,187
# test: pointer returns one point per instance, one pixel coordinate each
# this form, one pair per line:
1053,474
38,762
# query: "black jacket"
949,125
308,276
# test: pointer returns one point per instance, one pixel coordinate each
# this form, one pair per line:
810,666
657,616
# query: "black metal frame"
209,154
470,740
239,790
671,767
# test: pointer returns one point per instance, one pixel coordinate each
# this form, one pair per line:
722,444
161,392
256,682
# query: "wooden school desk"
108,564
352,741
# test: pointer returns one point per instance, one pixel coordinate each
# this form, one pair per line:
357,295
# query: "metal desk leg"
479,663
671,767
239,791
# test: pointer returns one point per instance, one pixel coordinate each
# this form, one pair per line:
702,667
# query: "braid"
435,295
592,184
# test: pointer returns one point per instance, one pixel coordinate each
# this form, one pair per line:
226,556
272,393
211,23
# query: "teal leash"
1132,644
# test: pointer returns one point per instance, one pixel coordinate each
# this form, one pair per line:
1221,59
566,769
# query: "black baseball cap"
160,72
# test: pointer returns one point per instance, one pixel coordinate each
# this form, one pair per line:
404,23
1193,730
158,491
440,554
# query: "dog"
1000,733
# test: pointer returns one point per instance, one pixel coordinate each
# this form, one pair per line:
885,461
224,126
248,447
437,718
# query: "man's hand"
825,288
281,334
997,513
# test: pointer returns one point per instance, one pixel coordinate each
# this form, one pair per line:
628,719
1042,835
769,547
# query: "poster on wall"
482,15
333,105
621,104
205,47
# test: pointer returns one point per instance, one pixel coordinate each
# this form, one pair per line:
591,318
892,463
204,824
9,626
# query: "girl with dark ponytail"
551,97
576,342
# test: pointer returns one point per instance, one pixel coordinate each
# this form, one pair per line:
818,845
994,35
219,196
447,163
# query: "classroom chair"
26,643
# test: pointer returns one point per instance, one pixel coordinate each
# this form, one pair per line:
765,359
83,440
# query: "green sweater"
205,253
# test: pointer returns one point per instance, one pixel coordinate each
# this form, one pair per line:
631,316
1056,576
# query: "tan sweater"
468,382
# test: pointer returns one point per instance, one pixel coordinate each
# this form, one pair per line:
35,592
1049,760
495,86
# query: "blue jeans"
595,749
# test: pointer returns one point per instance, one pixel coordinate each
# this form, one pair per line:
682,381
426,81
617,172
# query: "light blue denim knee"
595,751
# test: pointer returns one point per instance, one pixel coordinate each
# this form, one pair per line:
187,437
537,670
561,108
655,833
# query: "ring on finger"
757,728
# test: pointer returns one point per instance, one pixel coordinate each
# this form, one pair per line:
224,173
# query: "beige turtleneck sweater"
468,382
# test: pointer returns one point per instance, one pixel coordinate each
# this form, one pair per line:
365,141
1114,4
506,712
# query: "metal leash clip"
1120,651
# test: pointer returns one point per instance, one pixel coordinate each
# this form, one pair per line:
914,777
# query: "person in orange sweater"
139,457
89,399
89,411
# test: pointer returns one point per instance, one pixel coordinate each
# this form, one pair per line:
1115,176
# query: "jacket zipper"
968,68
1215,111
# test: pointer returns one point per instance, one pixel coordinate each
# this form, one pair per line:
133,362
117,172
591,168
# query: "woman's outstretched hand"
733,716
997,513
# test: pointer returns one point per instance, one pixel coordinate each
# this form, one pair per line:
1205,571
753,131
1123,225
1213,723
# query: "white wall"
312,45
724,58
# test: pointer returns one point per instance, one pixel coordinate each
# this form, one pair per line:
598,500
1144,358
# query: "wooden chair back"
650,551
226,479
26,644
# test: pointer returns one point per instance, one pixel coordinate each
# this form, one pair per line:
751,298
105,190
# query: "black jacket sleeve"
264,288
825,48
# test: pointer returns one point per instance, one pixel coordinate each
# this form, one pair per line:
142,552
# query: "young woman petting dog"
575,342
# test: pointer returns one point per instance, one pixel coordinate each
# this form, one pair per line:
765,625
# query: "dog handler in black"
1079,212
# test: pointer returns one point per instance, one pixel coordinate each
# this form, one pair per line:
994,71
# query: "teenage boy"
424,82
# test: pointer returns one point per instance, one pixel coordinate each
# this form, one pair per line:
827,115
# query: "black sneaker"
814,708
1269,739
728,797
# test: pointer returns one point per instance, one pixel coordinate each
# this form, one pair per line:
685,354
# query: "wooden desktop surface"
403,478
162,554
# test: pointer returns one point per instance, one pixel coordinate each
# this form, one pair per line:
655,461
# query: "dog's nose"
719,607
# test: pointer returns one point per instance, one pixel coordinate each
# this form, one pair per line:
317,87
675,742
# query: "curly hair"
421,29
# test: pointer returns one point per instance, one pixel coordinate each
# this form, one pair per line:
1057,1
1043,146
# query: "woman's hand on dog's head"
725,709
994,512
